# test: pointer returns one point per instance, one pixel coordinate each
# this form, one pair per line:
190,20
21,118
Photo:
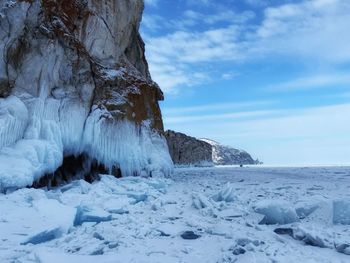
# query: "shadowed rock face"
80,64
186,150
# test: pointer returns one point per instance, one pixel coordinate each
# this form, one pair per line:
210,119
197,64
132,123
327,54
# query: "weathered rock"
226,155
78,67
186,150
189,235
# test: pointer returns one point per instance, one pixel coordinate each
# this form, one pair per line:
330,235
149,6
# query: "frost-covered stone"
190,235
276,212
75,82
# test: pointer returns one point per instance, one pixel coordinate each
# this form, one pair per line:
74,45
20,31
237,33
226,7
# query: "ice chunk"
80,186
138,197
276,212
44,236
343,247
341,212
226,194
117,206
55,213
199,201
56,218
304,209
90,214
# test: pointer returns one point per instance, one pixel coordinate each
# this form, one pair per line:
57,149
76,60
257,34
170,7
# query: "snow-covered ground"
251,214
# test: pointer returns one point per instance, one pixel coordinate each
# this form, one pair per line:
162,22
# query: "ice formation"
34,141
341,212
226,194
75,82
276,212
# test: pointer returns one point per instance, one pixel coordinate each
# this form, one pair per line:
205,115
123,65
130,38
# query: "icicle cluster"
34,141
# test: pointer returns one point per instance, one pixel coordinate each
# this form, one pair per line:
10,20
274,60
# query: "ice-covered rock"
226,194
226,155
90,214
310,236
343,247
276,212
190,235
341,212
75,82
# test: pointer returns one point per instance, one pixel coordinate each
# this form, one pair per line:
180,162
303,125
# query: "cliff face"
186,150
74,81
226,155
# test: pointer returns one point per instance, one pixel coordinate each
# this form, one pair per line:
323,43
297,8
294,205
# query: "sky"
271,77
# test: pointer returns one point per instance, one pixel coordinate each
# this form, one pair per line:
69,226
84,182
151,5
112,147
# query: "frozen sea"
218,214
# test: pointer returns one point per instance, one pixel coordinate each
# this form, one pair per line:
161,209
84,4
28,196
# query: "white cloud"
316,81
229,75
217,107
216,117
310,31
151,2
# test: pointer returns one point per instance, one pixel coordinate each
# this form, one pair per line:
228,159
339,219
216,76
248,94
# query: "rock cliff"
186,150
226,155
75,91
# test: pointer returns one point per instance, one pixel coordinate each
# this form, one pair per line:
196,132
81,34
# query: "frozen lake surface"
220,214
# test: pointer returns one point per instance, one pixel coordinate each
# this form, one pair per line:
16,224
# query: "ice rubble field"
198,215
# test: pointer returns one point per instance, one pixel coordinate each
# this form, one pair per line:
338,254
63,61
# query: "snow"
137,219
36,133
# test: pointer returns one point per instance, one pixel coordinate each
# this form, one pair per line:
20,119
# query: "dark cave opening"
75,168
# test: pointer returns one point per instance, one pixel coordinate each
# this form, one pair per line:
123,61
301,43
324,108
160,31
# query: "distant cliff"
186,150
226,155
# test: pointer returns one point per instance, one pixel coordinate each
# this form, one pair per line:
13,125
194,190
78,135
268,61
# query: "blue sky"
268,76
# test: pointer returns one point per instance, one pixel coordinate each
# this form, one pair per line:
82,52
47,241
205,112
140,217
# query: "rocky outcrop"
226,155
74,81
186,150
